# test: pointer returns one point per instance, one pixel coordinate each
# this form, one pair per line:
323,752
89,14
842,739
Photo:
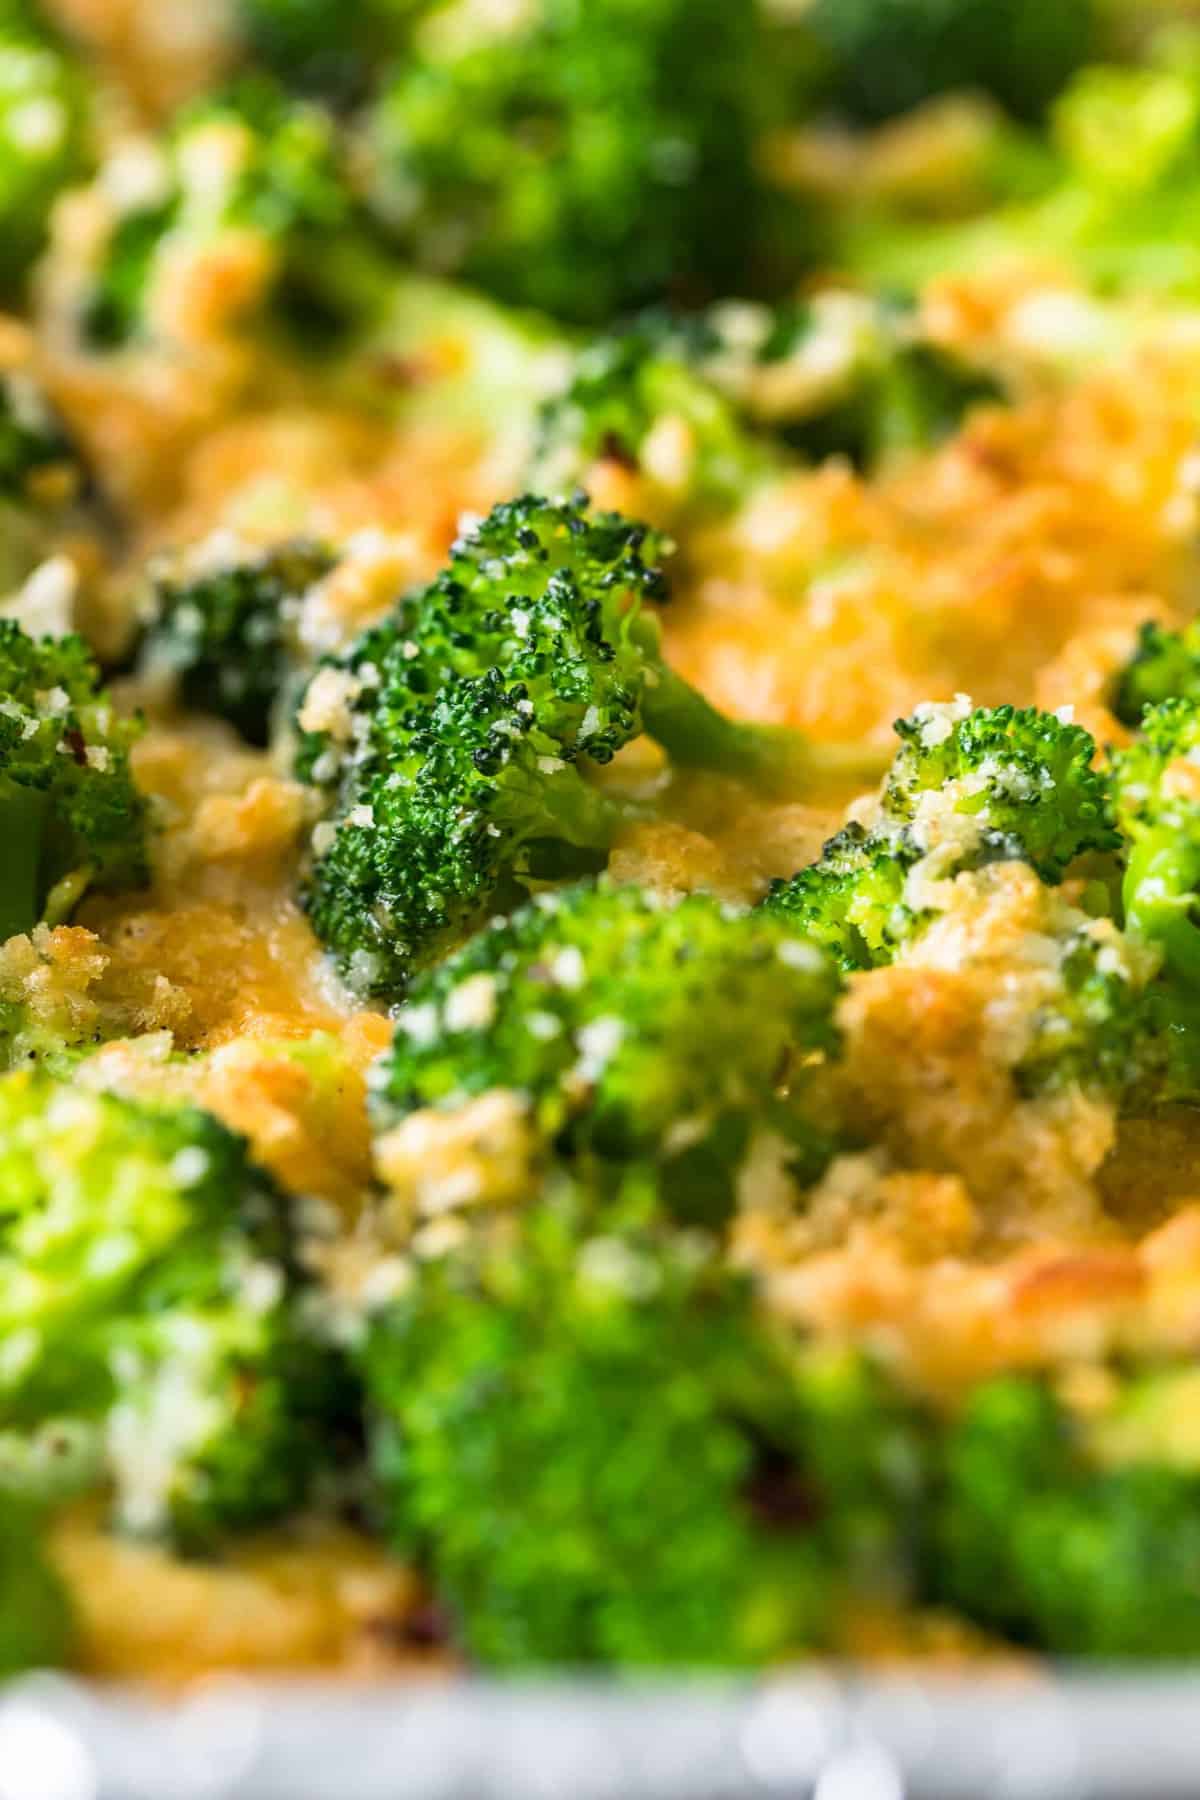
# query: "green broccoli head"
852,901
1158,809
885,56
627,1028
43,130
73,815
35,1624
968,786
1164,666
226,635
622,386
583,160
451,741
148,1287
846,374
596,1445
250,161
743,387
1023,777
1063,1540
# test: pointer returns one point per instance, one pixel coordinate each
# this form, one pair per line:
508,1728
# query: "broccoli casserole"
600,809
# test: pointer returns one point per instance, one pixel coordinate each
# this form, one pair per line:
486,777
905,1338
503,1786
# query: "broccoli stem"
23,813
696,736
1159,892
569,827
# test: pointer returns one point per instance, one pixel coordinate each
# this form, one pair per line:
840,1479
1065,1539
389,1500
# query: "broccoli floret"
281,182
596,1445
1159,813
628,1029
72,815
621,386
43,118
1101,1029
451,740
852,900
844,375
750,385
967,787
34,1617
147,1277
885,56
320,46
1119,190
1164,666
1025,777
580,159
227,636
1052,1541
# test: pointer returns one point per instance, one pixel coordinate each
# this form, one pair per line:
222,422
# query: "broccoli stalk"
451,741
71,814
23,815
696,735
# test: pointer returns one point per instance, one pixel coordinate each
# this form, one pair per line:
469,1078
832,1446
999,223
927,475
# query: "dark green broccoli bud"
1164,666
598,1447
43,118
146,1274
1067,1541
886,56
583,160
227,636
72,814
35,1625
841,374
968,787
627,1028
1158,808
281,181
451,740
